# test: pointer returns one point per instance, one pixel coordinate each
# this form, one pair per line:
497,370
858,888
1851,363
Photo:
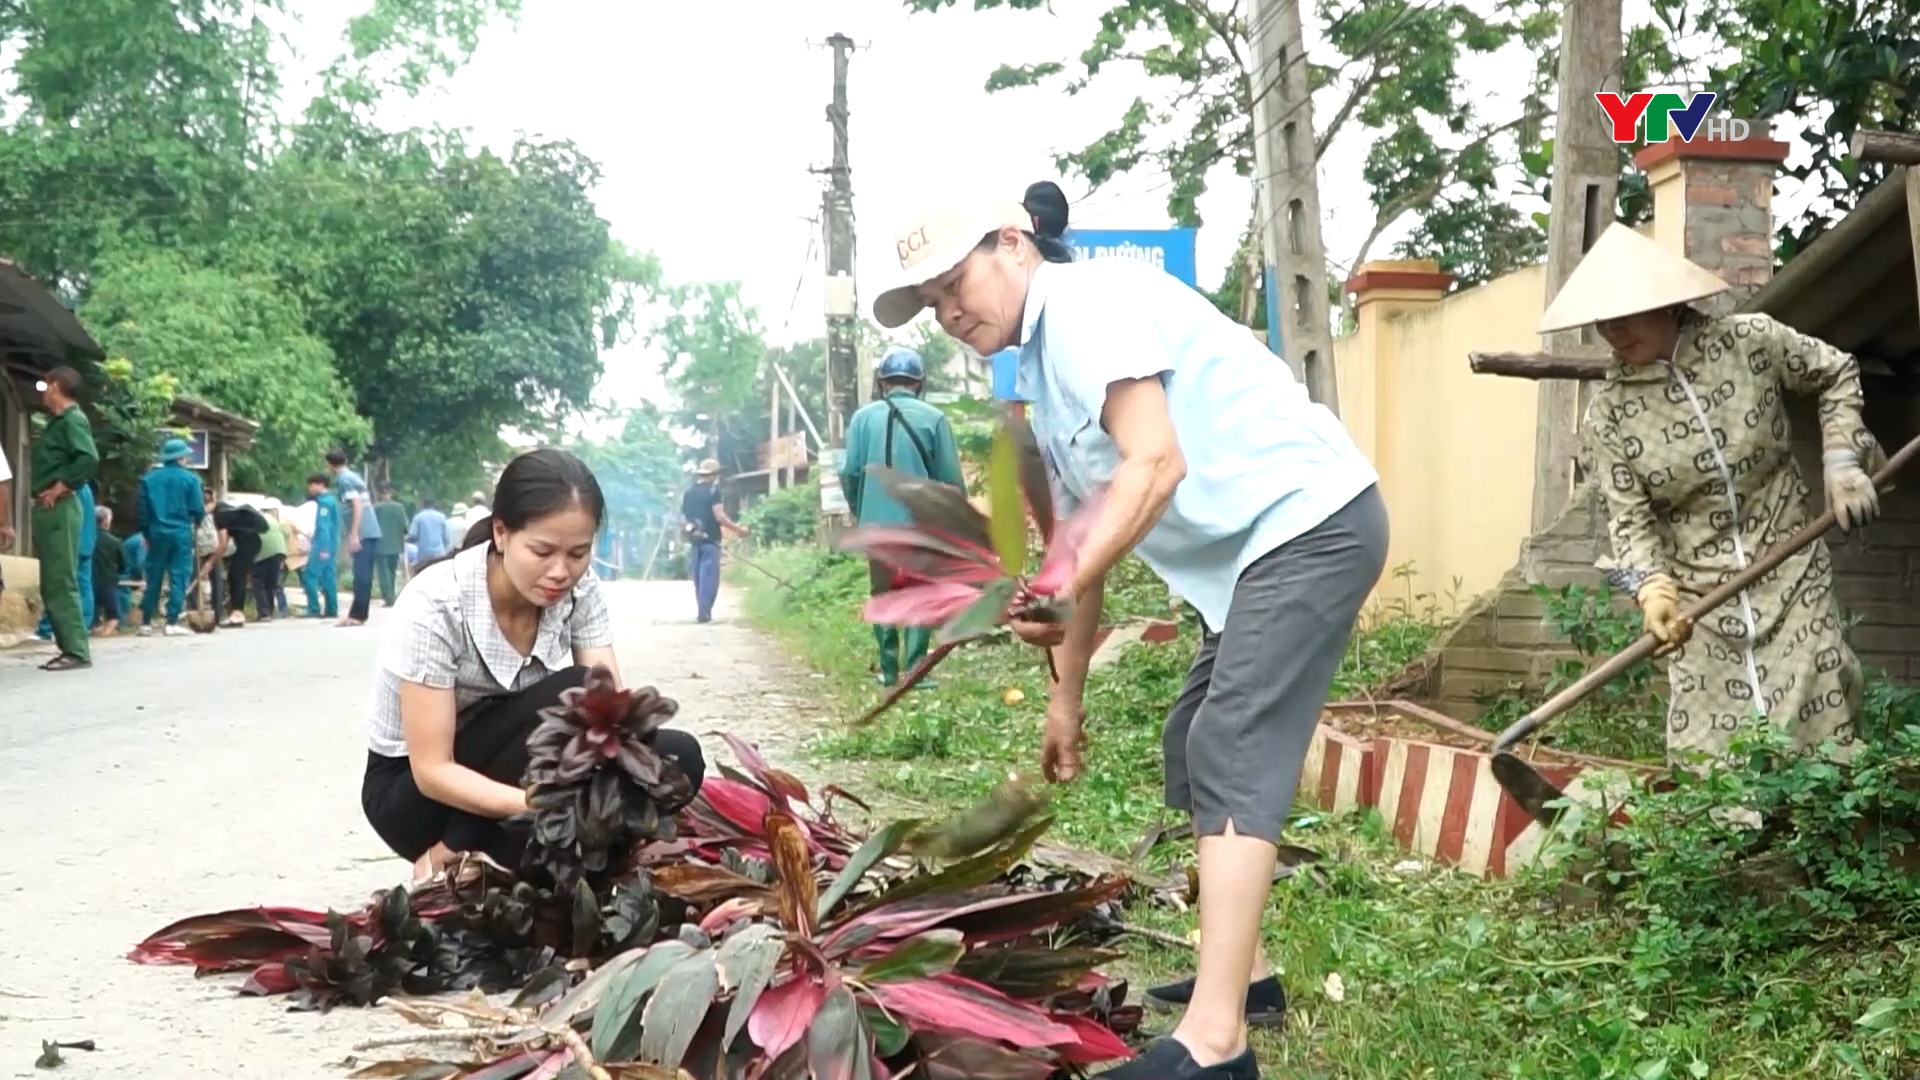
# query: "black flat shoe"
1266,1000
1167,1059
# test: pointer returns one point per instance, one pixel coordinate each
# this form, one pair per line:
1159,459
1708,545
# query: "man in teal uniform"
172,502
63,461
910,436
321,576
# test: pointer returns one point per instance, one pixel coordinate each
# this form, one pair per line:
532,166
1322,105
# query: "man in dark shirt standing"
705,516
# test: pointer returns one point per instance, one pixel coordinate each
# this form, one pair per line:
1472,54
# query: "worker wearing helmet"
908,435
1691,446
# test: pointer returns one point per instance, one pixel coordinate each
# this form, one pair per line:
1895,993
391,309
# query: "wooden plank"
1538,366
1890,147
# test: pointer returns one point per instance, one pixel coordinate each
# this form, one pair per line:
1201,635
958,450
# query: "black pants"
363,564
246,548
269,576
492,742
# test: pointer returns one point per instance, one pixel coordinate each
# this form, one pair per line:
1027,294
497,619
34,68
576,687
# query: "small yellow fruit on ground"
1014,695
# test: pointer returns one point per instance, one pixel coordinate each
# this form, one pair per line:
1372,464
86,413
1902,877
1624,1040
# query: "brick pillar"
1383,291
1713,204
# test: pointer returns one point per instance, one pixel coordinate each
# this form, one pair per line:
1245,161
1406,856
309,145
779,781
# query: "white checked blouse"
442,633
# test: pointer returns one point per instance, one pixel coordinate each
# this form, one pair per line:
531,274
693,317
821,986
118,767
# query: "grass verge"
1398,968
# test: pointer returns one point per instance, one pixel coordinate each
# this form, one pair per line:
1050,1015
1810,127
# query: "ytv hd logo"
1685,116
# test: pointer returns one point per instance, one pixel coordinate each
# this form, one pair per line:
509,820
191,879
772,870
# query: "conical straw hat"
1624,273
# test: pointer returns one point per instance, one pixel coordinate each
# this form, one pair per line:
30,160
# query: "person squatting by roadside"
477,645
1690,442
907,434
703,515
172,508
1208,460
62,462
109,563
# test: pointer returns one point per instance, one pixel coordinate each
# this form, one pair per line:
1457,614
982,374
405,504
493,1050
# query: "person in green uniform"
62,461
908,435
393,542
172,503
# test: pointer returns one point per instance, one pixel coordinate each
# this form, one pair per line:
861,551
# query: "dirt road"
190,775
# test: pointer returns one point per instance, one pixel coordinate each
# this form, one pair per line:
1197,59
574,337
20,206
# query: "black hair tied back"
1048,205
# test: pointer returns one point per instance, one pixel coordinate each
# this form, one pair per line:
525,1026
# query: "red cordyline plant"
966,570
816,953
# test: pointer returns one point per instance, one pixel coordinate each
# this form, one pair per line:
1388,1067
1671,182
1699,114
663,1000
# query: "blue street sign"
1006,369
1171,250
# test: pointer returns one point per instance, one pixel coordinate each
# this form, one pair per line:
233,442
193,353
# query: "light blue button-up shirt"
1265,463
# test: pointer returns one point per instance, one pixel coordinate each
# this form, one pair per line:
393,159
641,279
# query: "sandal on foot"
66,662
1266,1000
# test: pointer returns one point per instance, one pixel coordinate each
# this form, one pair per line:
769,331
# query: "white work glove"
1850,493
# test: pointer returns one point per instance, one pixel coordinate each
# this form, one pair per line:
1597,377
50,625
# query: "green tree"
1395,73
239,341
1842,67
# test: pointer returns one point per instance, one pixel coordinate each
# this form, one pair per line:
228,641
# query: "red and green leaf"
932,604
921,554
1033,471
988,610
235,940
1093,1043
919,957
839,1046
1063,551
960,1006
677,1008
784,1011
938,509
885,842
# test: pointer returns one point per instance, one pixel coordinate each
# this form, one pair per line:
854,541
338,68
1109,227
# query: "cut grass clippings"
1396,968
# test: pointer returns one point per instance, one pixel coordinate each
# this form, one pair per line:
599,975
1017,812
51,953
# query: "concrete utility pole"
1586,182
1299,322
843,361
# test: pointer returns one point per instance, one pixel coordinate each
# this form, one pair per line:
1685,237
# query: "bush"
788,516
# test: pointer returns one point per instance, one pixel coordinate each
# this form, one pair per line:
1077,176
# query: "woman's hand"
1062,741
1046,633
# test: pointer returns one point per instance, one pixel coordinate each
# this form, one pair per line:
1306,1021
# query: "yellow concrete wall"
1454,449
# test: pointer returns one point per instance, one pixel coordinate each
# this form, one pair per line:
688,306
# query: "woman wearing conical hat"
1690,444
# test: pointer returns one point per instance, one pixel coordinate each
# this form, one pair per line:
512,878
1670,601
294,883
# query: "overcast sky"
707,117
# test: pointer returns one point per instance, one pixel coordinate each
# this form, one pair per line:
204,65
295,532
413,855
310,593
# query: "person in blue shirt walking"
427,532
320,577
911,436
363,529
1196,449
172,503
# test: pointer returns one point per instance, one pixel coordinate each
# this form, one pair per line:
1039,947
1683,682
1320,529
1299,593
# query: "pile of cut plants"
751,936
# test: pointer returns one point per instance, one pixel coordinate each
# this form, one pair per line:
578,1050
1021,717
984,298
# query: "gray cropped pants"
1238,734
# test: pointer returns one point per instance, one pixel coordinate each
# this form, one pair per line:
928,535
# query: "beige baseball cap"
932,244
1625,273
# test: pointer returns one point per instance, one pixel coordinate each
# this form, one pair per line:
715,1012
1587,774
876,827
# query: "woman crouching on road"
477,645
1246,497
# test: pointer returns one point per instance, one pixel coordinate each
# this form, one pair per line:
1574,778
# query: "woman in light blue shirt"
1246,497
